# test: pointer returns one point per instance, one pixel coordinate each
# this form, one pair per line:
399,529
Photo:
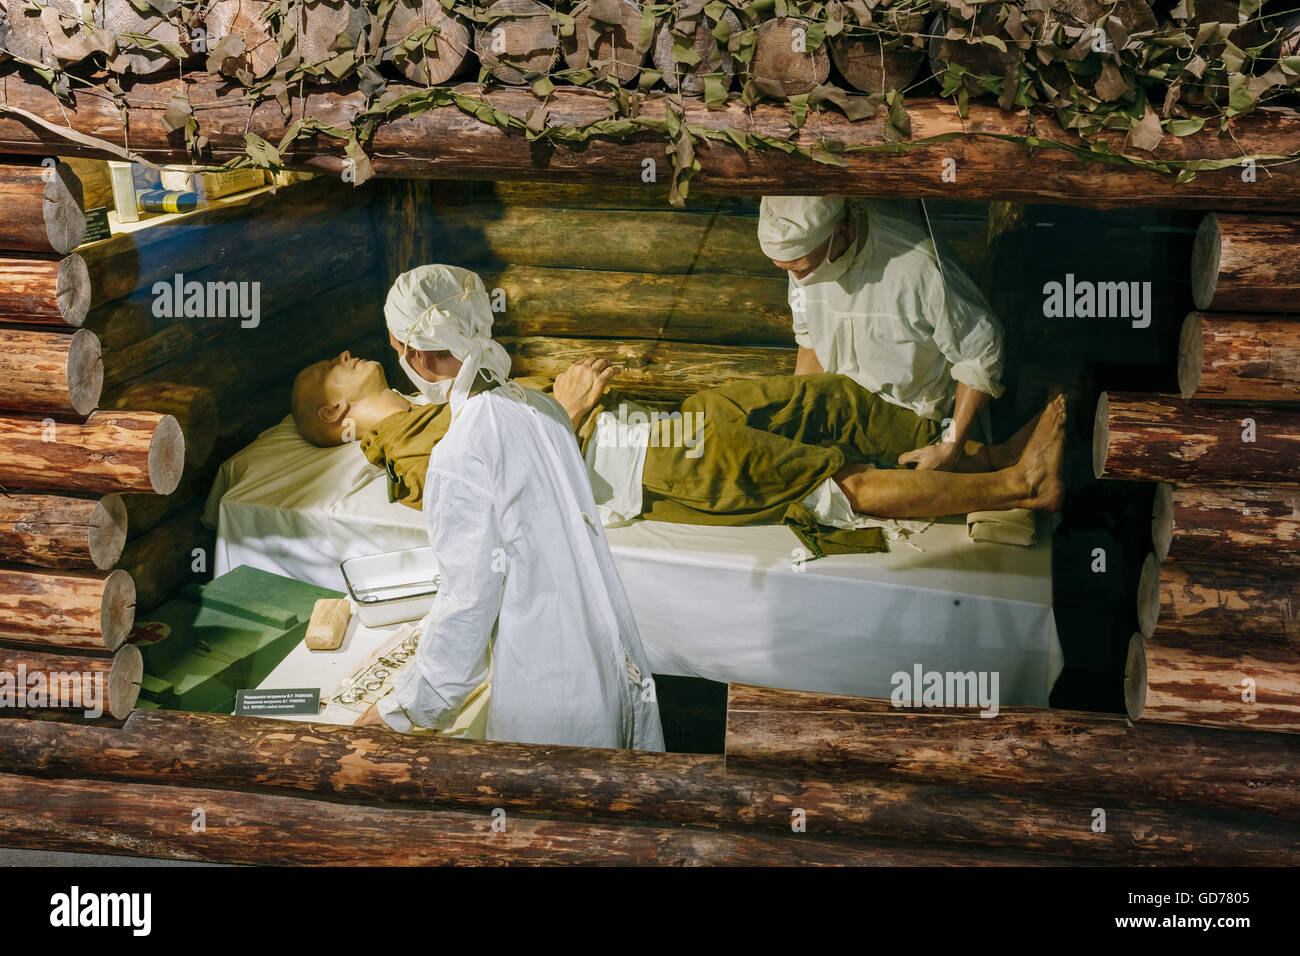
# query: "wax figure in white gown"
526,571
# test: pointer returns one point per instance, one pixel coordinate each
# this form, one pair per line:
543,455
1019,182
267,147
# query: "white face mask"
827,271
436,392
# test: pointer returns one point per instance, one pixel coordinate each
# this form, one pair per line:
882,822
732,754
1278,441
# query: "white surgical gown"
525,567
900,325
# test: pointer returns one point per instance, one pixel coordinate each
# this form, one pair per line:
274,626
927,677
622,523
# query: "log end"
124,680
65,217
1206,250
868,67
522,44
1191,348
1101,435
107,531
714,58
1135,678
450,50
117,610
1162,520
166,456
1148,596
778,59
73,290
85,371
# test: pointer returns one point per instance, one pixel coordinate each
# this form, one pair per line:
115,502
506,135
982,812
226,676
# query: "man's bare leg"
1032,482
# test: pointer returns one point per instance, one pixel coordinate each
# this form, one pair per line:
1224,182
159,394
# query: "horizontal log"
146,512
66,609
52,531
1228,525
193,407
110,452
233,366
76,682
625,242
376,765
177,552
502,195
43,209
285,281
52,292
691,309
1183,603
1246,264
1246,358
449,144
1146,437
233,231
1218,685
96,816
50,373
125,364
782,732
649,368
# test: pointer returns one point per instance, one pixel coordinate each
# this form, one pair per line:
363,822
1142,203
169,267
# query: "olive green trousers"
751,451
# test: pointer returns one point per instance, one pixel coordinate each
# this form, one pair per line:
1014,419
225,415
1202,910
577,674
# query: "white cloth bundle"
446,308
1013,526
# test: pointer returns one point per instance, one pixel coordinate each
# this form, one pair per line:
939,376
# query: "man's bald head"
338,399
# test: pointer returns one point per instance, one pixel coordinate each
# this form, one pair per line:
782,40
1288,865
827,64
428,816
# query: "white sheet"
729,604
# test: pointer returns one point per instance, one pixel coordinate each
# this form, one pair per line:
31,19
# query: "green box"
217,638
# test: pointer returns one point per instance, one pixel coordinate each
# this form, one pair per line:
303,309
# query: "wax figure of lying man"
809,450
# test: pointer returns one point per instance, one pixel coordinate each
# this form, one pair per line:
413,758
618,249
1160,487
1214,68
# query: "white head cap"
446,308
790,227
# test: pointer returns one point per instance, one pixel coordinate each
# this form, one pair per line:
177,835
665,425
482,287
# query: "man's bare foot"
1009,452
1041,462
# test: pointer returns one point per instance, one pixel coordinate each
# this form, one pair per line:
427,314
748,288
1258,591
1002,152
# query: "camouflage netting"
1148,72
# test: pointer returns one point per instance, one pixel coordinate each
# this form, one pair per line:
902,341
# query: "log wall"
116,410
679,299
1217,640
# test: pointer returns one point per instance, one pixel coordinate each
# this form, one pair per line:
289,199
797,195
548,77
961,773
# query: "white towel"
1013,526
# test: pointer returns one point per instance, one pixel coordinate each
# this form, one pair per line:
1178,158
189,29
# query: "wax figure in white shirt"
525,569
871,300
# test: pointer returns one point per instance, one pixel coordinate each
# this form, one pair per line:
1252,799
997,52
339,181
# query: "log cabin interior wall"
313,249
682,299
